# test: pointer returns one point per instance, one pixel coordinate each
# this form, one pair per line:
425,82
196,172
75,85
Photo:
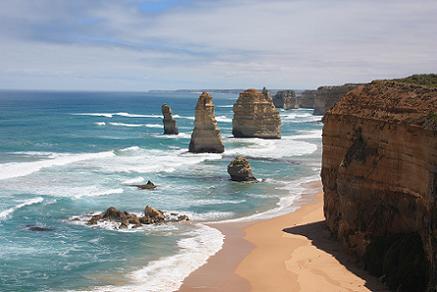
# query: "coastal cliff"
255,116
379,174
206,134
326,97
285,99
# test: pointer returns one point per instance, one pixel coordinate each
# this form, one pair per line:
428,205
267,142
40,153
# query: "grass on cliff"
428,80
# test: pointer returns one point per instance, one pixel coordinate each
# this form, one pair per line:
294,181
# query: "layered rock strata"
170,127
306,99
285,99
206,134
239,169
379,174
255,116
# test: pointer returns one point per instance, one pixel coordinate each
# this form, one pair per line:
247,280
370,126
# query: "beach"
292,252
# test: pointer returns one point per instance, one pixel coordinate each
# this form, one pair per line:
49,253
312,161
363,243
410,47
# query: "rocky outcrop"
129,220
169,123
306,99
327,96
255,116
148,186
379,174
239,169
206,134
285,99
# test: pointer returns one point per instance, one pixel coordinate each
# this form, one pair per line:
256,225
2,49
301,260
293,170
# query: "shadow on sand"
321,238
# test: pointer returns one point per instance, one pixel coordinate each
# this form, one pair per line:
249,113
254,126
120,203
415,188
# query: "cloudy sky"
168,44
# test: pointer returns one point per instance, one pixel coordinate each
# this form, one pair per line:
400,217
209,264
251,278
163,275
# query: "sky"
137,45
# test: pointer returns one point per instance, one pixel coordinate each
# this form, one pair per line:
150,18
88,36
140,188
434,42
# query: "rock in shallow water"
148,186
206,134
170,127
255,116
151,216
239,169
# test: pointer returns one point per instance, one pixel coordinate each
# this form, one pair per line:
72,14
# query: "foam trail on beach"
194,252
8,212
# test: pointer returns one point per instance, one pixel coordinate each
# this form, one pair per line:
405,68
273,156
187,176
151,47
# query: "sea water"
67,155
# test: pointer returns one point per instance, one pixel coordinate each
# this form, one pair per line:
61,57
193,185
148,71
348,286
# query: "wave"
120,114
8,212
288,146
100,124
194,252
178,136
183,117
285,204
225,106
135,125
18,169
223,119
299,117
313,134
135,180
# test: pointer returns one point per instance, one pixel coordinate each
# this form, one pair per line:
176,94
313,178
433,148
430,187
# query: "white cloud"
300,43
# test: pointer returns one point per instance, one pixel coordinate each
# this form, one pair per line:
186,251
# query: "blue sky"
150,44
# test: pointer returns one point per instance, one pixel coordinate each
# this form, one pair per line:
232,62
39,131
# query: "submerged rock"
285,99
170,127
148,186
239,169
150,216
206,134
379,179
38,228
255,116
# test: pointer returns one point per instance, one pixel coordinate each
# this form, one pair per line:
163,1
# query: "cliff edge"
379,174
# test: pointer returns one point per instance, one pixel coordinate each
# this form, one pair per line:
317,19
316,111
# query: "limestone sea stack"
255,116
169,122
239,169
206,134
285,99
379,174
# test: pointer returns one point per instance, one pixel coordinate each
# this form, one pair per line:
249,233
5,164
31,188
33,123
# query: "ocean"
67,155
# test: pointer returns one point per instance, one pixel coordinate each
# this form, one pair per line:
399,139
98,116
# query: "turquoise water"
71,154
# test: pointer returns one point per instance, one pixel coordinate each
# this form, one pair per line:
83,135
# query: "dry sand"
293,252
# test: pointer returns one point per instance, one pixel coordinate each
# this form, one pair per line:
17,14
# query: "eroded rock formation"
170,127
306,99
326,97
206,134
255,116
285,99
129,220
379,174
239,169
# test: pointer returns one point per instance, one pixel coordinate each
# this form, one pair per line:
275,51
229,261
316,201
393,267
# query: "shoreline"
291,252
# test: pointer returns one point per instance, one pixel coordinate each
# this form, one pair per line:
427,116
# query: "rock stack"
379,174
169,123
239,169
206,135
255,116
285,99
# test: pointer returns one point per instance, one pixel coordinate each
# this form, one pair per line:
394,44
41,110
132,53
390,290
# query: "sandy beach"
293,252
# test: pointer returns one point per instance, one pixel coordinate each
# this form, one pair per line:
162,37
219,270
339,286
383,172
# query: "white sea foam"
313,134
126,125
223,119
178,136
8,212
274,149
17,169
227,105
135,180
100,123
194,251
120,114
183,117
299,117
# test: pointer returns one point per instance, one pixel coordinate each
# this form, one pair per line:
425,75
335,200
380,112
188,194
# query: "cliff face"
285,99
306,100
326,97
255,116
379,174
169,123
206,135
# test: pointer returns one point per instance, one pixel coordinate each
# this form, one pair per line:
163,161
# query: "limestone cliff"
306,99
255,116
327,96
285,99
206,134
379,174
169,123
